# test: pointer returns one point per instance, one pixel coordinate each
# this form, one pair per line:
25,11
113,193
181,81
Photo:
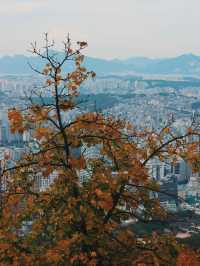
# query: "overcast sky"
113,28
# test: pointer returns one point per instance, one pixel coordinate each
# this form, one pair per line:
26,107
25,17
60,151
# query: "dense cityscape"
145,103
123,97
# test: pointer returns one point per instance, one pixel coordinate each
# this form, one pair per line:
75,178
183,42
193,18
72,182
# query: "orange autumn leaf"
187,258
41,132
16,120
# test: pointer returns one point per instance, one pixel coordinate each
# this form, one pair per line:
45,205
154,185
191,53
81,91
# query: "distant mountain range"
187,64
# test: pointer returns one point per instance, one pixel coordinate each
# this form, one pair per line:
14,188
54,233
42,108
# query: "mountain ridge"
186,64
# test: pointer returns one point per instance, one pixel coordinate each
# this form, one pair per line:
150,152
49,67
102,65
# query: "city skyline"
113,29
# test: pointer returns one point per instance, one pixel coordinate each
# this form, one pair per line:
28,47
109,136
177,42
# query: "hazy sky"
113,28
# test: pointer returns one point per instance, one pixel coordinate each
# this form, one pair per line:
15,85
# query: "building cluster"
179,186
17,86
